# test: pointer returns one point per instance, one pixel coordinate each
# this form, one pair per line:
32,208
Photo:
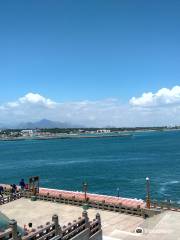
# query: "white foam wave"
162,190
170,182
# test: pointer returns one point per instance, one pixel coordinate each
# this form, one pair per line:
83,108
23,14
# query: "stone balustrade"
109,203
10,197
79,229
7,234
165,205
136,210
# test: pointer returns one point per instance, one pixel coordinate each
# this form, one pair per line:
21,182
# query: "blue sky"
88,50
74,50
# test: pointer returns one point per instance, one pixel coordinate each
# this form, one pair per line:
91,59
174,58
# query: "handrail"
135,210
6,233
42,232
10,198
165,205
54,230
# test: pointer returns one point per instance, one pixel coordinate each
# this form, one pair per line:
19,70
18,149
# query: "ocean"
105,163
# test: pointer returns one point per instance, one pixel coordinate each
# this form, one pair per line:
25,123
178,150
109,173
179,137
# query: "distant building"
103,131
81,130
27,132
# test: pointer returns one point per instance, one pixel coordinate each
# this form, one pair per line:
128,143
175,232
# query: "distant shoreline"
65,137
122,134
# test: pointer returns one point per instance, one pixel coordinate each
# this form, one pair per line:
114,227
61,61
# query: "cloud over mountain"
150,109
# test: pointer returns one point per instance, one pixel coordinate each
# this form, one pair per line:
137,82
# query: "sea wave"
170,182
56,163
164,187
162,190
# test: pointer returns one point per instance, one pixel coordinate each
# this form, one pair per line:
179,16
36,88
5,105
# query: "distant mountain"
45,123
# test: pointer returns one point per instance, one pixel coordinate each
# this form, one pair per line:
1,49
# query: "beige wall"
97,236
85,236
82,236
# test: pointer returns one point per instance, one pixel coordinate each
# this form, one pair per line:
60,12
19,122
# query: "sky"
95,62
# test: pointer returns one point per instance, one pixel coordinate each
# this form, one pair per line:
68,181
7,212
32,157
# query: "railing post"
13,226
155,203
85,216
169,204
58,230
138,210
148,201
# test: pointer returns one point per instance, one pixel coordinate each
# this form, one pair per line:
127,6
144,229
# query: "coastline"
66,137
120,134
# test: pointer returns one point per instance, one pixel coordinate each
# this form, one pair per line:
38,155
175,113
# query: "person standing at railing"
22,184
13,190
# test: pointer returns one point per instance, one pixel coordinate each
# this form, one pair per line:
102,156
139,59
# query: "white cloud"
163,97
161,108
32,99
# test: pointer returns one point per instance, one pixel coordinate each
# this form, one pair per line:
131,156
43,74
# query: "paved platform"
40,212
116,226
165,226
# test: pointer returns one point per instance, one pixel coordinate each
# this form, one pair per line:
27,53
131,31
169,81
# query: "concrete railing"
95,225
91,204
10,197
7,234
165,205
82,229
72,199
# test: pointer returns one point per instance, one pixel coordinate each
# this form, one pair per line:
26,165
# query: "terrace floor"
115,226
40,212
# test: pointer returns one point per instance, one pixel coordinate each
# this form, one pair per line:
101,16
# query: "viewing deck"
41,212
90,196
115,226
118,218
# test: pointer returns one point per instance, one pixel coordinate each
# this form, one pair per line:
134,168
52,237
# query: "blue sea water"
105,163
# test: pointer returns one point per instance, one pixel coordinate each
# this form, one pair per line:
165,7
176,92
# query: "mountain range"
43,123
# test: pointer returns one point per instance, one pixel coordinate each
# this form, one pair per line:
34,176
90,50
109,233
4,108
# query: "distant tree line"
76,130
113,129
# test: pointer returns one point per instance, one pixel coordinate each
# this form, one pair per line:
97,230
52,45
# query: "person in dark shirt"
22,184
1,191
14,188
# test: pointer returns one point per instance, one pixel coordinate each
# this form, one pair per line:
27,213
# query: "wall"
97,236
85,236
82,236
